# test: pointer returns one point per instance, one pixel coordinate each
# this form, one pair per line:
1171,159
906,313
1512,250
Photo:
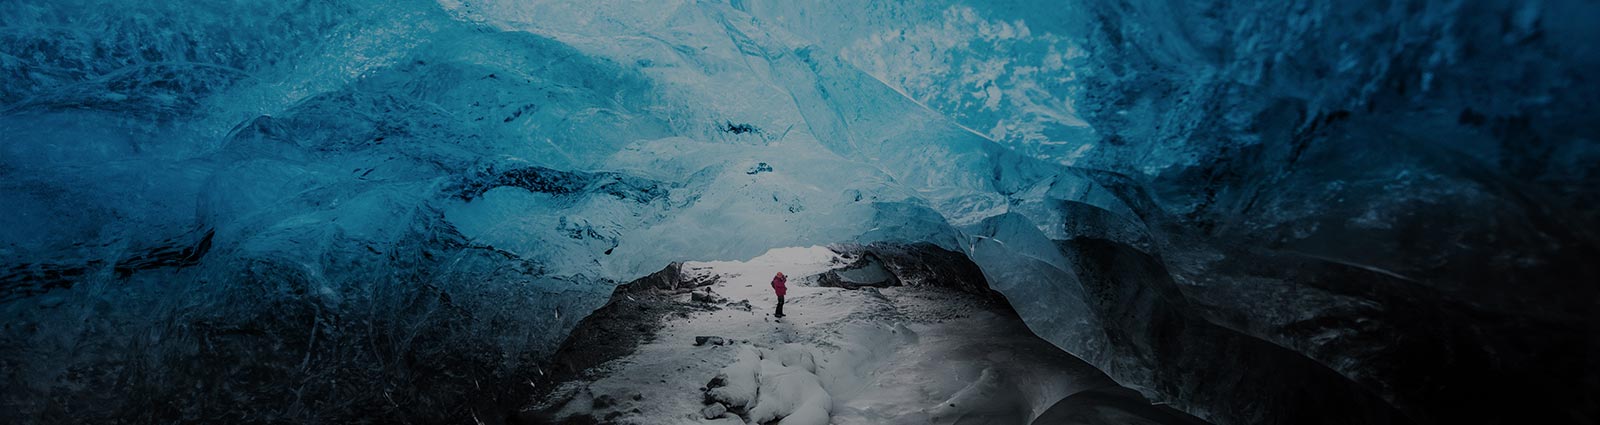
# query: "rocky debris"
632,316
740,305
701,281
866,271
709,340
605,401
669,278
759,168
706,297
922,265
715,410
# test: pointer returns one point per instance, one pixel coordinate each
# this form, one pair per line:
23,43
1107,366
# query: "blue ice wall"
312,200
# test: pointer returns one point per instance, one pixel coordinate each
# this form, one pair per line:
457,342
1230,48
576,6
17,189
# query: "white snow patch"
791,394
739,379
794,262
795,355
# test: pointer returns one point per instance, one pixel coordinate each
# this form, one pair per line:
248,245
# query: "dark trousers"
780,306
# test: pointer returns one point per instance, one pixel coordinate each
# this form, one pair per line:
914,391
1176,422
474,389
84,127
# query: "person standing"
779,286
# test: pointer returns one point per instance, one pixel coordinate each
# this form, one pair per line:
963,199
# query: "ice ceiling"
241,195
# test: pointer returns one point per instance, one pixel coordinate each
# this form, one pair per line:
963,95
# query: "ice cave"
489,212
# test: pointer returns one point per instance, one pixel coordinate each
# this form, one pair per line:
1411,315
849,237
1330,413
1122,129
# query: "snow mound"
795,355
779,383
791,394
738,380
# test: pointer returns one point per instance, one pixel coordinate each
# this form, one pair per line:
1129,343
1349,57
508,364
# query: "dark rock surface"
866,271
715,410
631,317
921,264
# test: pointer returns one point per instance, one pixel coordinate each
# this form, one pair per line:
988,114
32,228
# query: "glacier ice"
208,202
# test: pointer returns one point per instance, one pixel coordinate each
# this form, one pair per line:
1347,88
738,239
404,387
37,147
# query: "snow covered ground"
909,355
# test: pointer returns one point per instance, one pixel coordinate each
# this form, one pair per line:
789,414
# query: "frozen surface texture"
925,354
252,211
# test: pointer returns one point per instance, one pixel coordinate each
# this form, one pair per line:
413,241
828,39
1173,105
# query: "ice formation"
372,210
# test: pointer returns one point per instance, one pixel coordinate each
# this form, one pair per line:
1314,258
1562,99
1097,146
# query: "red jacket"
778,284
